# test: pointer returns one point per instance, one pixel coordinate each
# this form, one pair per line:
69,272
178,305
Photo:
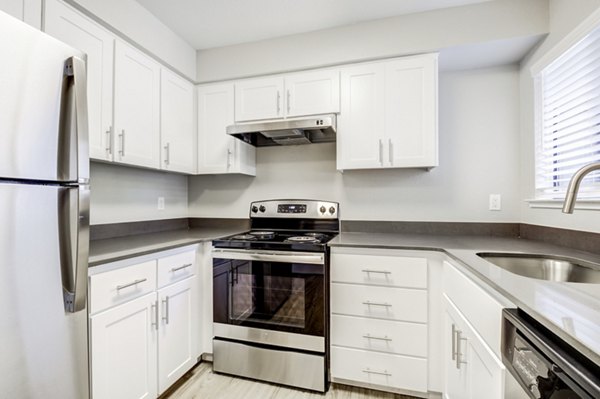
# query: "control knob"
254,209
332,210
322,209
262,208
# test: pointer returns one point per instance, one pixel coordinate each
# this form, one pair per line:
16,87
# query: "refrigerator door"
43,343
43,111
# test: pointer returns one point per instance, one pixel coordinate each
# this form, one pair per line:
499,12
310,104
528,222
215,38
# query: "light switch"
495,202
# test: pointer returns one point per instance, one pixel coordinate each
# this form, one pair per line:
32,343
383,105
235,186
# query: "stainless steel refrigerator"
44,216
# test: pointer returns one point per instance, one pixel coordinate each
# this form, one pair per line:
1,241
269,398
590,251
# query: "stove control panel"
308,209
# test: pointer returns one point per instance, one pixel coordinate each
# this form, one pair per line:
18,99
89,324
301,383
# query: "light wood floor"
202,383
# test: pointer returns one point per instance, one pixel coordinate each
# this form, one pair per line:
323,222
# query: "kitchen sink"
544,267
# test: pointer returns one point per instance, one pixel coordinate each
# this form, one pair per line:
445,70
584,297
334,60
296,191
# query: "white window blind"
568,120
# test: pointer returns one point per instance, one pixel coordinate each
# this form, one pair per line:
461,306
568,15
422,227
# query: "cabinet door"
360,124
312,93
411,112
123,350
137,106
177,342
29,11
177,134
257,99
455,378
69,26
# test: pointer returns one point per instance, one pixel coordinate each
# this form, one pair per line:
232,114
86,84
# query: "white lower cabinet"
379,319
143,324
473,367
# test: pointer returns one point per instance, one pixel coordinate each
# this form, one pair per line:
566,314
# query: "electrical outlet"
495,202
161,203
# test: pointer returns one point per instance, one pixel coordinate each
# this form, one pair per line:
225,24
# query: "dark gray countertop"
570,310
113,249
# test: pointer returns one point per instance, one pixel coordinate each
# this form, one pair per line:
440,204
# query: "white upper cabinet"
361,122
29,11
137,106
293,95
411,111
177,133
257,99
69,26
312,93
388,116
218,152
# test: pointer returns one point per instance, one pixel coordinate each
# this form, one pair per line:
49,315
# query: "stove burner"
263,235
303,239
245,237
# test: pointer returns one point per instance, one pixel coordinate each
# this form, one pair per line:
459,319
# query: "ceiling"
215,23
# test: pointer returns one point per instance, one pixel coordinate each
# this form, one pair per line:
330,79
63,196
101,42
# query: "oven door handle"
285,257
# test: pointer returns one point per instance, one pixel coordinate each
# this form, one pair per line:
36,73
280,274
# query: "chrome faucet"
571,196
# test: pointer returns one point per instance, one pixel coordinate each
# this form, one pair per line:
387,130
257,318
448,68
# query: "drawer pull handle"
376,271
369,336
384,304
454,331
154,310
459,338
175,269
136,282
166,315
384,372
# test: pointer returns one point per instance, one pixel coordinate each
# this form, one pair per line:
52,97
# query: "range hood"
306,130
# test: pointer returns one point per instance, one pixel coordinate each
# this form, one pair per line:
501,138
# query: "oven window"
281,295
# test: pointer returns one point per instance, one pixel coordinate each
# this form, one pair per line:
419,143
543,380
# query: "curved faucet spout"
571,196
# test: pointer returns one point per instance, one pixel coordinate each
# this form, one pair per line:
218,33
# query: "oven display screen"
291,208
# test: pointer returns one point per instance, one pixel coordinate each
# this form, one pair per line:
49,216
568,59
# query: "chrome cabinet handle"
376,271
166,316
454,330
384,304
122,139
229,153
288,101
154,316
384,372
109,141
136,282
167,154
385,338
278,102
380,151
181,267
391,151
459,338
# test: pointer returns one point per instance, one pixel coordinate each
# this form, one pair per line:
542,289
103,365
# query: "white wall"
135,22
124,194
565,15
406,34
479,128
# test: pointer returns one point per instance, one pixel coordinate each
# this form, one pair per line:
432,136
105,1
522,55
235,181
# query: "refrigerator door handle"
73,214
75,68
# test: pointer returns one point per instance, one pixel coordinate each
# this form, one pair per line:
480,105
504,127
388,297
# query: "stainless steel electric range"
271,294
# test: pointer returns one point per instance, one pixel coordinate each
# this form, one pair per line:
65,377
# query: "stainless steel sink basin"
542,267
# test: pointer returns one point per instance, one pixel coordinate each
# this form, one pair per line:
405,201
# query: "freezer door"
43,106
43,344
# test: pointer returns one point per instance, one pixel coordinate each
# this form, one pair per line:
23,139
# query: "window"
568,120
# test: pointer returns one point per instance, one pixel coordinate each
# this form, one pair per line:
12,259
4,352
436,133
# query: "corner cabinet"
144,324
219,153
388,115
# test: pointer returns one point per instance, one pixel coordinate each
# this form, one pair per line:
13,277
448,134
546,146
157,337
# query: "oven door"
270,290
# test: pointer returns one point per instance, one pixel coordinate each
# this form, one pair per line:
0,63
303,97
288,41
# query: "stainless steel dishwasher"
543,365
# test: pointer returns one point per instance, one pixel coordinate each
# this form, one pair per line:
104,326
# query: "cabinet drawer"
379,302
176,267
379,335
382,369
379,270
121,285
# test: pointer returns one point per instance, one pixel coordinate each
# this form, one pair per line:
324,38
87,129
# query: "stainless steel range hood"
306,130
